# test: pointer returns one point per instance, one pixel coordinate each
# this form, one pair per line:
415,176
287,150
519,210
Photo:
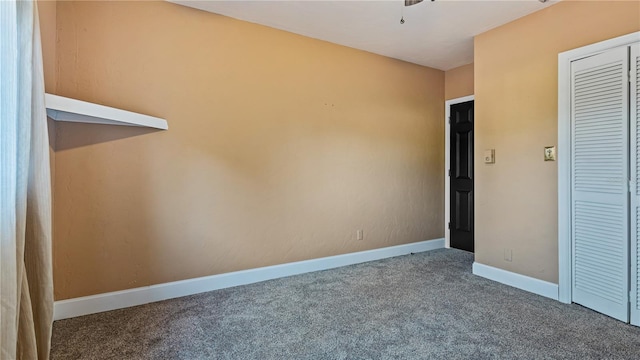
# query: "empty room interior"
343,179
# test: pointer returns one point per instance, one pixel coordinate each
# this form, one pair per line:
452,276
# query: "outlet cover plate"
549,153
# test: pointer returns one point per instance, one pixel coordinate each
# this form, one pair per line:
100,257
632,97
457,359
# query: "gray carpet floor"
422,306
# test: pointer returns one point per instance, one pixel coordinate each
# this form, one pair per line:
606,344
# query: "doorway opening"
598,259
459,173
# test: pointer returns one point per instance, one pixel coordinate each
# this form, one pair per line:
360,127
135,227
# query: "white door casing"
447,163
634,112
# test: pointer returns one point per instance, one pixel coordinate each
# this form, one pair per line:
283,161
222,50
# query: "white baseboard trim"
522,282
86,305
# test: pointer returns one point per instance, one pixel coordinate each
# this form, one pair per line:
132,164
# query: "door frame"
447,163
564,152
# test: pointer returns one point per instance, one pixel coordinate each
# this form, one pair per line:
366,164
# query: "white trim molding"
522,282
86,305
447,162
564,152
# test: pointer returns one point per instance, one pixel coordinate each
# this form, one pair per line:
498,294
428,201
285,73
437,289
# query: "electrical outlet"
359,235
507,255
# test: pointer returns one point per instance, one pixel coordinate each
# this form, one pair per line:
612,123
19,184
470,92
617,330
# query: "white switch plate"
489,156
359,235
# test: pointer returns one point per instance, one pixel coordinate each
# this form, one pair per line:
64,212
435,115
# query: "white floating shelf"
60,108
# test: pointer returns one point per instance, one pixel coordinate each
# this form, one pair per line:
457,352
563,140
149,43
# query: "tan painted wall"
279,148
516,96
47,17
458,82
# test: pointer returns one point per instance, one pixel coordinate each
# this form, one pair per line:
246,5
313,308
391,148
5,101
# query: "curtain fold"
26,279
8,176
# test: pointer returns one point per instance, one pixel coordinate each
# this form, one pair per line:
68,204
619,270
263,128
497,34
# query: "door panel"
461,179
599,177
464,147
463,211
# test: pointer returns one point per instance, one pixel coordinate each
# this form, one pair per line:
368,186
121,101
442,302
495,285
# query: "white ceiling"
437,34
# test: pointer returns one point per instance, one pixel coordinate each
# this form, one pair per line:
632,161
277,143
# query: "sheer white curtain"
26,281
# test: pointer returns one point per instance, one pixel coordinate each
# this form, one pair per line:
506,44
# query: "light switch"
489,156
549,153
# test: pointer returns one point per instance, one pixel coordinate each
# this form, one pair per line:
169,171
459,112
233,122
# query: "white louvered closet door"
635,183
599,179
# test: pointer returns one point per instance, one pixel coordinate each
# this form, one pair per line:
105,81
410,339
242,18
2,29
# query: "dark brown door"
461,176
